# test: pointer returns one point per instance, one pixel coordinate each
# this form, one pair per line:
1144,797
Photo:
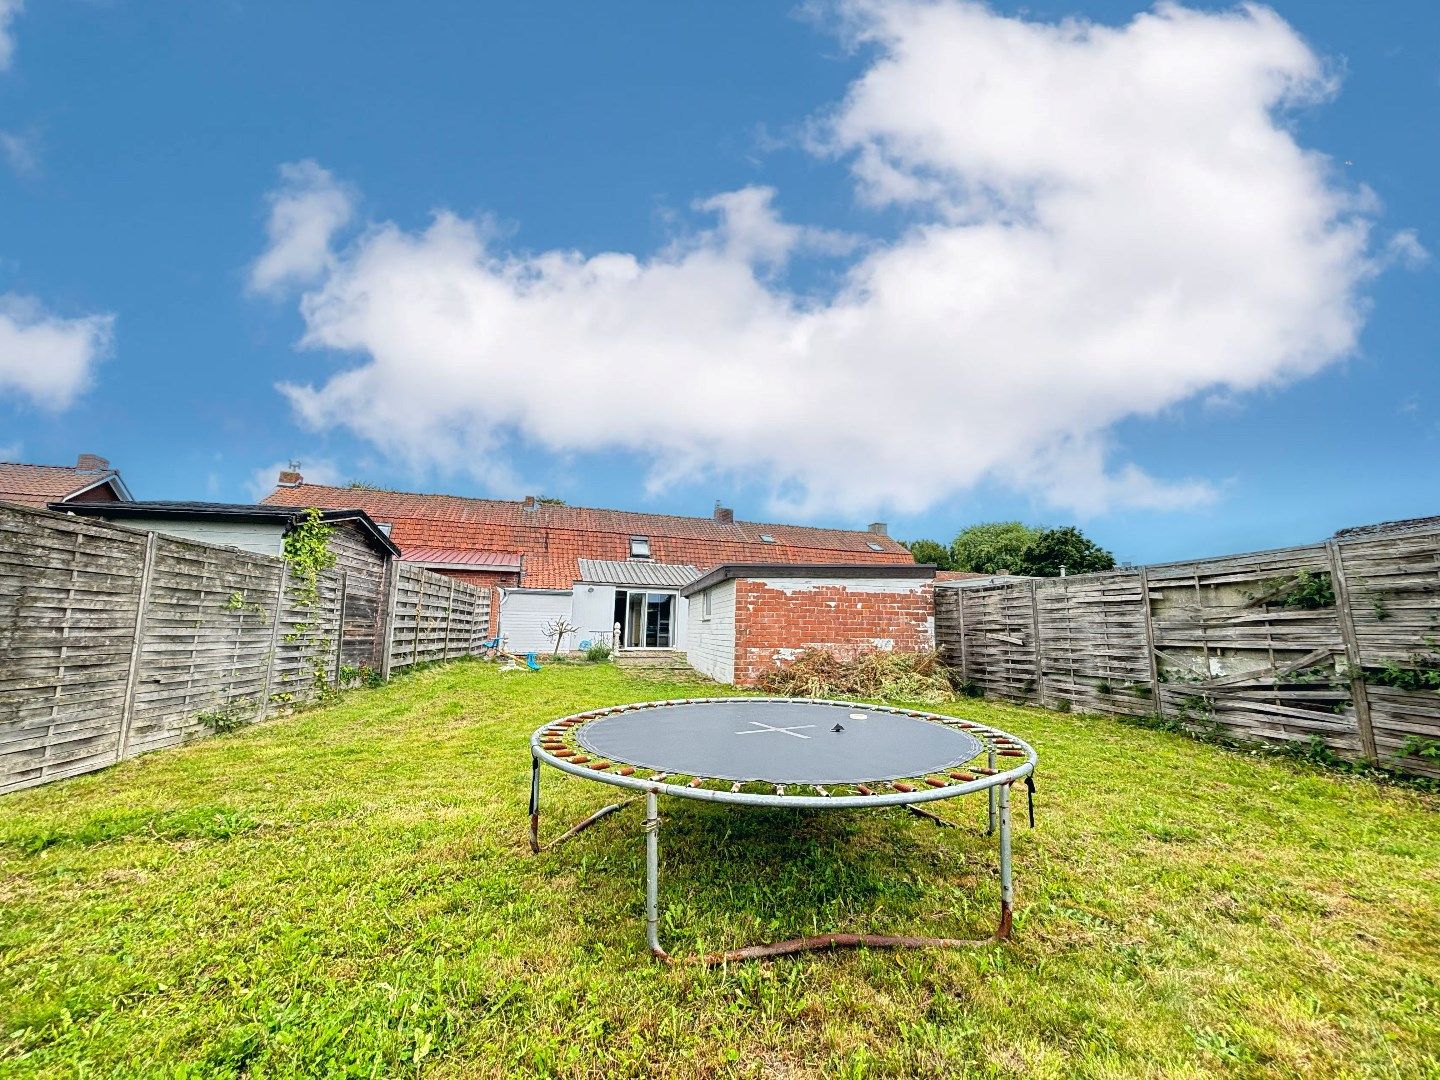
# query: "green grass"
349,891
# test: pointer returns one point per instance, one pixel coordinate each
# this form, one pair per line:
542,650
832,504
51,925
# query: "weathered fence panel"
1275,646
114,642
434,617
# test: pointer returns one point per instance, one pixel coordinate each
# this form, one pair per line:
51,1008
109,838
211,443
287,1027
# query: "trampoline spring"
935,781
734,787
821,790
696,782
779,789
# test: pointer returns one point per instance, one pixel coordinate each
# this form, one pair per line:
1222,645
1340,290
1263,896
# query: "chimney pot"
724,514
91,463
290,478
879,528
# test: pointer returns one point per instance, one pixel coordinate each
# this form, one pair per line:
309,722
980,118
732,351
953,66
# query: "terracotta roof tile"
37,485
554,538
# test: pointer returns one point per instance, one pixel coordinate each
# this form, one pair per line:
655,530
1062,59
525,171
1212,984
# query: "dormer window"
639,547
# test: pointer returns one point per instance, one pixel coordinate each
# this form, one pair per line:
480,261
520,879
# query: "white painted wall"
261,538
523,616
710,643
594,611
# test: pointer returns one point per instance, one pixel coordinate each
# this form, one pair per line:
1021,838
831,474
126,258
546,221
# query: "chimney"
531,503
879,528
724,515
91,463
290,478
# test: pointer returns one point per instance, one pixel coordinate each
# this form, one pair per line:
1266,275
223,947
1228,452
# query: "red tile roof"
39,485
450,556
554,538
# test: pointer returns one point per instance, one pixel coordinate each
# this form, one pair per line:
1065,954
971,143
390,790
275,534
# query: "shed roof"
281,516
466,558
637,572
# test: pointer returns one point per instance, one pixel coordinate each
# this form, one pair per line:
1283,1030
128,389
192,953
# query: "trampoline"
786,752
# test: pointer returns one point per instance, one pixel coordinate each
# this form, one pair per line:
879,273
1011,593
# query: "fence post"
1150,643
449,617
387,625
1345,617
274,639
340,625
142,605
964,647
419,607
1035,641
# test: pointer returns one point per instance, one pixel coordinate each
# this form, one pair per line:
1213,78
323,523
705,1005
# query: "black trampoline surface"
779,742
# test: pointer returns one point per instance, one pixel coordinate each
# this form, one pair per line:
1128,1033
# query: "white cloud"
19,153
8,10
317,471
306,211
47,358
1106,222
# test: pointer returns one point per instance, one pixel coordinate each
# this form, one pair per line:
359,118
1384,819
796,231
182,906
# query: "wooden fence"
1337,640
115,641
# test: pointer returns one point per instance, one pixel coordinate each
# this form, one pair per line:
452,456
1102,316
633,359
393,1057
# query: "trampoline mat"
779,742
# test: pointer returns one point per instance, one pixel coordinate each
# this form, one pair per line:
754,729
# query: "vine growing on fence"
307,553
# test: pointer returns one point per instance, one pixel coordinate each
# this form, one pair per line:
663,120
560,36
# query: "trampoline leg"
990,798
534,804
1007,892
652,876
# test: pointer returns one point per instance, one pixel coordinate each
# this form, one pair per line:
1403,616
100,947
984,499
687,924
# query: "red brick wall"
495,580
773,626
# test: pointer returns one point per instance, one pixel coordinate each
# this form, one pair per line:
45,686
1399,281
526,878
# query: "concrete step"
654,662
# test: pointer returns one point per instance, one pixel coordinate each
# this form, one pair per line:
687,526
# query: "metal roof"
637,572
461,558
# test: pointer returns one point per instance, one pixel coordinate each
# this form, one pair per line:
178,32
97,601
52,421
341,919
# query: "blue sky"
143,169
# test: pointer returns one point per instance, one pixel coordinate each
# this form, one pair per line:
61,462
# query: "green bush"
598,653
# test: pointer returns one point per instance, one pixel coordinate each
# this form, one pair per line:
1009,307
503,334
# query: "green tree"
931,551
991,547
1068,547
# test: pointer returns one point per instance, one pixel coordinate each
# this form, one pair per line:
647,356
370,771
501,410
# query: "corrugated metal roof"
637,572
451,556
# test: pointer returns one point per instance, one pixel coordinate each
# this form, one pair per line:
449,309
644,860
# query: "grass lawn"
349,891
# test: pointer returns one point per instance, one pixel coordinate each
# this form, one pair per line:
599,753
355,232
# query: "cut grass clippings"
349,892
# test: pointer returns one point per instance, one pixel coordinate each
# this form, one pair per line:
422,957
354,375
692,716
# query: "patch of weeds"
195,823
227,717
598,653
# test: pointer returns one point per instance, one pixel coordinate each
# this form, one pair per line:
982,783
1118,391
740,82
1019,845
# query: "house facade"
594,569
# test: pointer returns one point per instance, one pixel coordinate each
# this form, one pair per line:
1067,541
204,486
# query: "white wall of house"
524,614
261,538
710,639
594,611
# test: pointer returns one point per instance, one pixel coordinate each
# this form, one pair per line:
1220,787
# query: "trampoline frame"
992,780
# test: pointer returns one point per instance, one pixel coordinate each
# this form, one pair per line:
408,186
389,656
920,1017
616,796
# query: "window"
874,546
766,538
384,527
707,603
639,547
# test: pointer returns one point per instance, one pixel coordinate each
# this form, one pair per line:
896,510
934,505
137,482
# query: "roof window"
874,546
639,547
766,538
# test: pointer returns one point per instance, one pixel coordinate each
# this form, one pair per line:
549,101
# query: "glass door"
646,619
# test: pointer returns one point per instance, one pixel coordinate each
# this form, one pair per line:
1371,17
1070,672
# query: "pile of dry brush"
879,676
